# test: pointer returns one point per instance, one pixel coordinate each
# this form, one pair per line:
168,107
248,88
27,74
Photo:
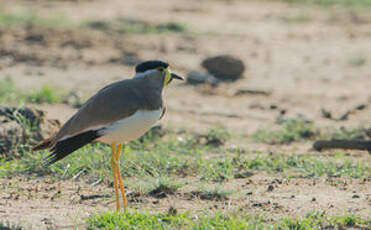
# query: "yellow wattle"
167,76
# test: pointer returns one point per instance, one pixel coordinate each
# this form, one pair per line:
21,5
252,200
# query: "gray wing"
113,102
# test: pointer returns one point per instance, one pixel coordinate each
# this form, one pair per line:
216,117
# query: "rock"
23,126
224,67
195,78
11,133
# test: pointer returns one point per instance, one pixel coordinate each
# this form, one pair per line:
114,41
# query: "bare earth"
306,66
59,204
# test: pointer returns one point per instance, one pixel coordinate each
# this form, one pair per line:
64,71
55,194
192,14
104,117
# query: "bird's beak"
175,76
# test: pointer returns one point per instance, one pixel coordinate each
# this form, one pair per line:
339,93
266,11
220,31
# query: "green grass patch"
346,133
132,26
30,18
9,94
157,187
8,91
291,130
218,193
218,220
47,94
217,136
306,165
138,220
297,19
175,156
299,129
120,25
326,3
317,220
8,226
357,61
140,28
165,186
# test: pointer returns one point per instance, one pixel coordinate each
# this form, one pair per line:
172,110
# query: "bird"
118,113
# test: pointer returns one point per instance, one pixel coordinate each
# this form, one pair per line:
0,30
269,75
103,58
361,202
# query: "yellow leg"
118,151
114,171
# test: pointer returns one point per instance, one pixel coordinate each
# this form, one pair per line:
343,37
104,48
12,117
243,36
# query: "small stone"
47,221
355,196
224,67
13,130
270,188
360,107
172,211
273,106
257,204
326,113
314,199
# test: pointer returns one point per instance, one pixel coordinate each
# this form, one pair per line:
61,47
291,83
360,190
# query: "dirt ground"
45,203
306,66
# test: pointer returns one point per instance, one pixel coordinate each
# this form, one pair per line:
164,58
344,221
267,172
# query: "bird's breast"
130,128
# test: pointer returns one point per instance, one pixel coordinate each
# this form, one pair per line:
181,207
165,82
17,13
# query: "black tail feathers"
67,146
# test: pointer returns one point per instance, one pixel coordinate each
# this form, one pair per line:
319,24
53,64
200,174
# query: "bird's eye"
161,69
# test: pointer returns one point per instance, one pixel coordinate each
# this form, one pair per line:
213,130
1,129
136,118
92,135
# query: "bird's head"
166,76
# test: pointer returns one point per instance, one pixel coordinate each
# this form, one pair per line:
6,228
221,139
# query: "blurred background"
305,56
251,65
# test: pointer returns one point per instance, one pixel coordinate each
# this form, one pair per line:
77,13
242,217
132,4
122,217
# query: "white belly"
130,128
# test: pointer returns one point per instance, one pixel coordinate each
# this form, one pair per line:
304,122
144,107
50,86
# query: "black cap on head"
148,65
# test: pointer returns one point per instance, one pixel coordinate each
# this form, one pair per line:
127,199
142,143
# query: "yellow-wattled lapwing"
118,113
